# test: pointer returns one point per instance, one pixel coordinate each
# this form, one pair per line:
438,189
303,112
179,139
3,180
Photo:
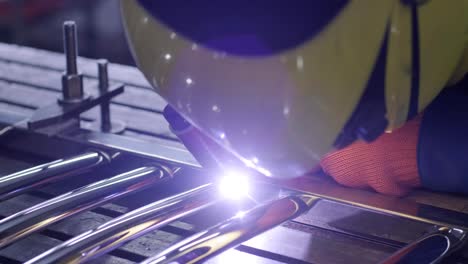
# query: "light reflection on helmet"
283,82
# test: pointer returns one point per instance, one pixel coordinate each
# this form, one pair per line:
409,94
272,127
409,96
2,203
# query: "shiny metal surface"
379,203
245,225
432,248
48,212
367,224
314,186
234,256
163,152
129,226
133,145
22,181
297,243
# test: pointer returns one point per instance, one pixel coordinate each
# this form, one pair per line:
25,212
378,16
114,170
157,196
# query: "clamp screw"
72,81
103,88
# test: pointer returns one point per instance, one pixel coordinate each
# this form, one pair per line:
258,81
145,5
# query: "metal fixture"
107,124
64,114
103,75
72,80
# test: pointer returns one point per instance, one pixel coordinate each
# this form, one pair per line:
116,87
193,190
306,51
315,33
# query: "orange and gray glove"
388,165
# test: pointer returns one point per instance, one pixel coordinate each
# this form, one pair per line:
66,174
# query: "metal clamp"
64,114
72,80
106,125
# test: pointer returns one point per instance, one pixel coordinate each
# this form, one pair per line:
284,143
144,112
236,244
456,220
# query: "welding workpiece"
234,231
432,248
130,226
22,181
39,216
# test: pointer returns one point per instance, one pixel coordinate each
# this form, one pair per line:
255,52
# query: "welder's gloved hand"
388,165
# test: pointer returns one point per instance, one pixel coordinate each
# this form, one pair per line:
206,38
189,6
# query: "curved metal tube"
22,181
129,226
90,196
213,241
432,248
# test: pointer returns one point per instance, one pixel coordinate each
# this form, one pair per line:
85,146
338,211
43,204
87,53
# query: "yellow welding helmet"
281,83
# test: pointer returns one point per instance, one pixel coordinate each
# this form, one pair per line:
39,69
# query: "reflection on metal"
48,212
328,190
432,248
367,224
378,203
163,152
129,226
22,181
313,185
207,244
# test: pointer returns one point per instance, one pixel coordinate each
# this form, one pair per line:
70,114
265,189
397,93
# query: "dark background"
38,23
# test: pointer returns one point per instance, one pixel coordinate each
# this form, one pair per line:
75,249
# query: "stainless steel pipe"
213,241
90,196
22,181
129,226
432,248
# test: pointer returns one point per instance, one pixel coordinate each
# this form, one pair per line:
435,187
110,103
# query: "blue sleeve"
443,141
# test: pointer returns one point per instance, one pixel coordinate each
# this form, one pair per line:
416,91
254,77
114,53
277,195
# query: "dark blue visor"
246,27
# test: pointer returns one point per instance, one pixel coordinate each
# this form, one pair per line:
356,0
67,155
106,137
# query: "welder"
372,91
